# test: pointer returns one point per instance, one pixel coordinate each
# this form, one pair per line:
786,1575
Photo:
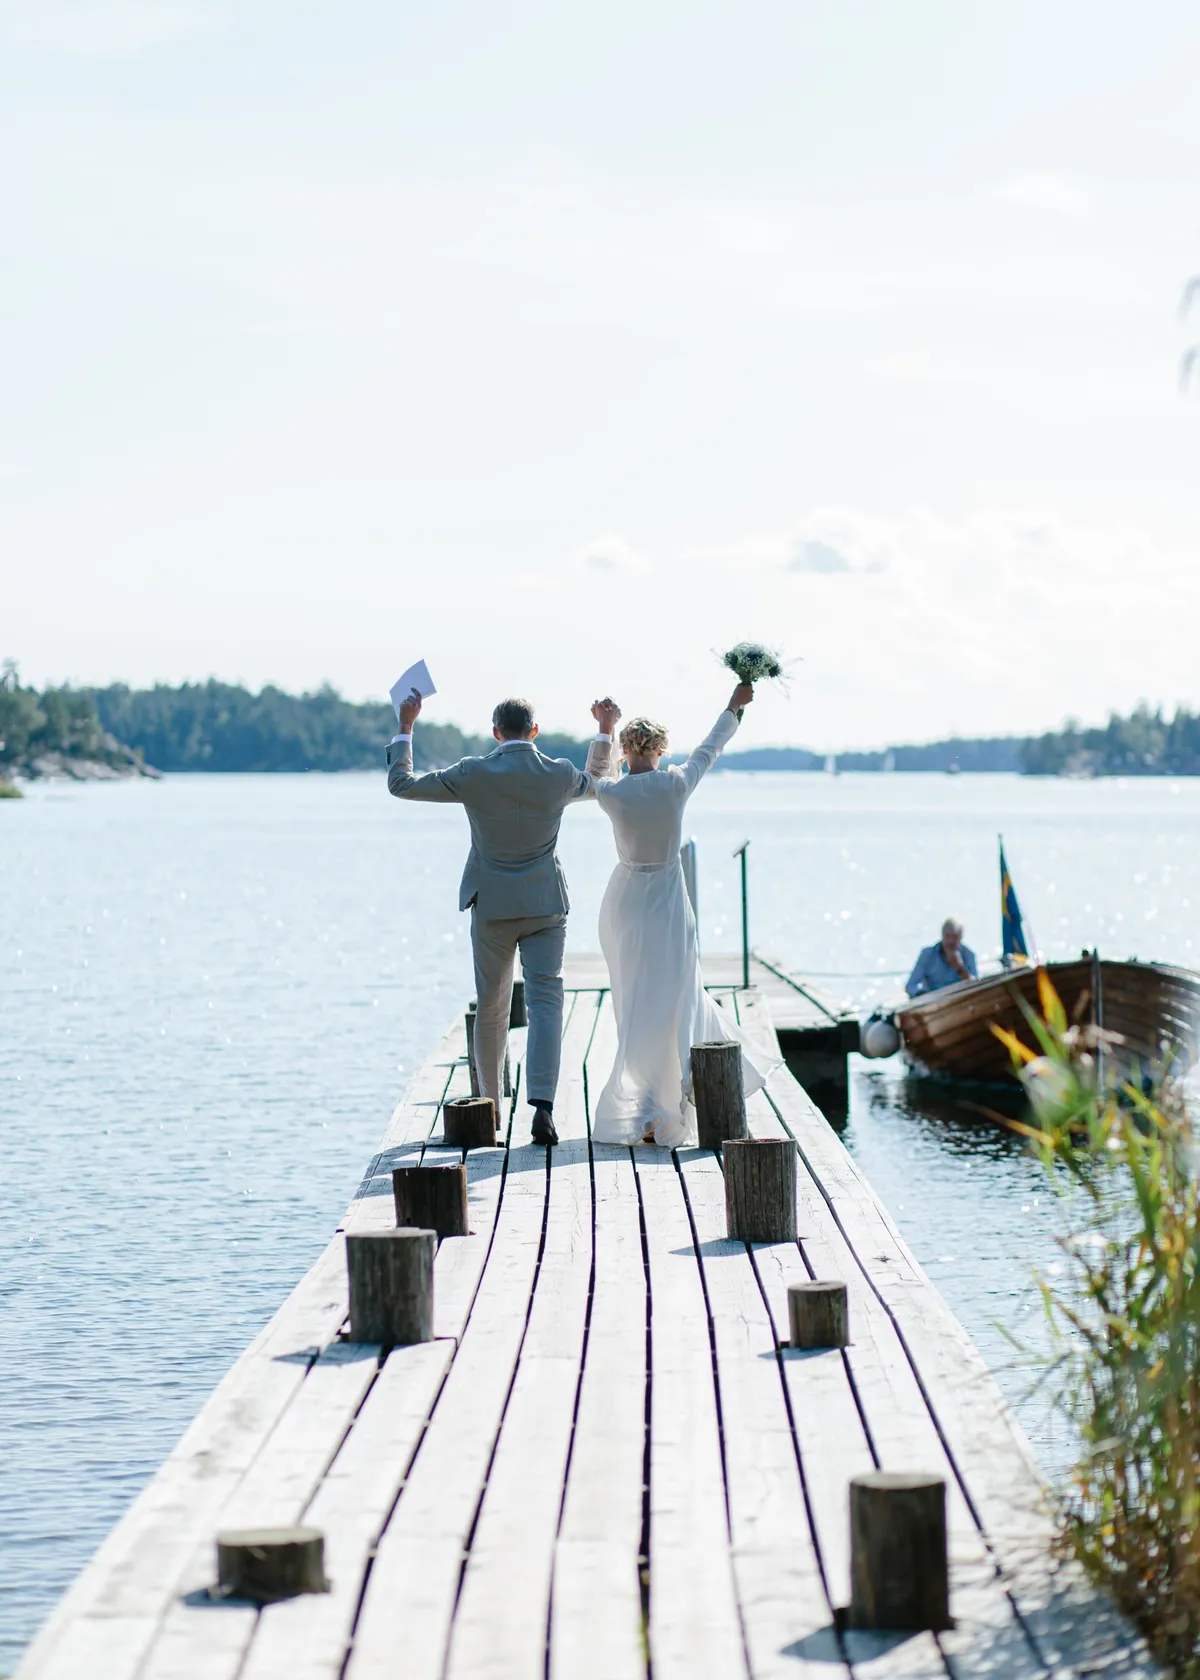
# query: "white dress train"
648,936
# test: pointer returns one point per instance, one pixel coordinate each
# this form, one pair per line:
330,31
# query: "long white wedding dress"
648,936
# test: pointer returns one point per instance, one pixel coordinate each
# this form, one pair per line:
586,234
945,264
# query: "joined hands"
606,713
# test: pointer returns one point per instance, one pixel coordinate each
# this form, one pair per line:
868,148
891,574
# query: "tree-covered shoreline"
216,726
58,732
213,727
223,727
1146,743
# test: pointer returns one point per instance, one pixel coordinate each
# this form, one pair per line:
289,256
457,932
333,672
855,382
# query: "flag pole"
1035,953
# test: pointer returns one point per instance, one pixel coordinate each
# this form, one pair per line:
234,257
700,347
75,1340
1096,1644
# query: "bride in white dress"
648,936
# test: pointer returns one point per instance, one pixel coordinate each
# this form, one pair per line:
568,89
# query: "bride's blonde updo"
641,735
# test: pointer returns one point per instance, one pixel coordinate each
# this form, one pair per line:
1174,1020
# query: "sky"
563,346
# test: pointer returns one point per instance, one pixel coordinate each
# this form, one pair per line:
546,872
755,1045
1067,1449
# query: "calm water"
213,989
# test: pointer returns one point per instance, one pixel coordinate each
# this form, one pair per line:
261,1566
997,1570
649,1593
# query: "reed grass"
1125,1320
9,790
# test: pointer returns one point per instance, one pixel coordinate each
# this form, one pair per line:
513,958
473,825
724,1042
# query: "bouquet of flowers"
751,662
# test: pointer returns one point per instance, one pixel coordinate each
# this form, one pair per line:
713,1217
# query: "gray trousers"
540,940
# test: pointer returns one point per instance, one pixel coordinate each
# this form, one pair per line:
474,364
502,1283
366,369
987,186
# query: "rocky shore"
111,761
58,735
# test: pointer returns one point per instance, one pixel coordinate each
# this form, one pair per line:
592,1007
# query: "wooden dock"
815,1035
608,1464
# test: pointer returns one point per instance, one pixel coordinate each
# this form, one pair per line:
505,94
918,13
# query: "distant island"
102,733
57,733
999,752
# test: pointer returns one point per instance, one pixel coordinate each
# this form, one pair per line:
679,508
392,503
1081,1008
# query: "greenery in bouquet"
751,662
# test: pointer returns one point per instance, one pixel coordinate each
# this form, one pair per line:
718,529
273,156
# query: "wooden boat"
1153,1008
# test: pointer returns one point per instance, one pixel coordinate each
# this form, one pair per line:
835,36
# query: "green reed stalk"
1126,1327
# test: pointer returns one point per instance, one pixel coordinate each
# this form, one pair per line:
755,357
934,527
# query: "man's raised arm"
440,787
602,761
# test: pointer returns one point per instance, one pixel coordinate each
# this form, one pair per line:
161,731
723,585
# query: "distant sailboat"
889,761
831,768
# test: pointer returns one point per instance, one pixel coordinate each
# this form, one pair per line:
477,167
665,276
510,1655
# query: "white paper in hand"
417,676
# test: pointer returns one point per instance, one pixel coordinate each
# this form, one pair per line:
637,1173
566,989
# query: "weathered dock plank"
310,1636
596,1592
413,1590
884,1424
502,1623
206,1640
783,1602
695,1627
916,1355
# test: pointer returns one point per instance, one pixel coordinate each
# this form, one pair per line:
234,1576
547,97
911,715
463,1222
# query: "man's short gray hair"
950,925
514,719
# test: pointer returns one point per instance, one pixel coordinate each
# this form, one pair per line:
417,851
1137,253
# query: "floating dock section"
815,1034
609,1463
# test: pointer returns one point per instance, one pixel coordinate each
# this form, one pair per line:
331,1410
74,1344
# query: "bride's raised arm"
707,753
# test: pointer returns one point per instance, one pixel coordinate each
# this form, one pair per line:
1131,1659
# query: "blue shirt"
932,971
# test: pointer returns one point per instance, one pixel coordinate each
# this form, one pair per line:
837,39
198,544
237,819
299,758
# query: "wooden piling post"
432,1199
267,1564
472,1070
899,1575
518,1015
469,1122
760,1189
391,1285
818,1315
718,1094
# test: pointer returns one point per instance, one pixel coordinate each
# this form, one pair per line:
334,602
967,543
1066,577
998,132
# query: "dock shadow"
713,1248
483,1164
210,1598
1072,1618
828,1645
348,1353
798,1355
838,1645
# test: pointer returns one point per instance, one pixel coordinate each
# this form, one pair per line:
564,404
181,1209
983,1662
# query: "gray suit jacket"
514,798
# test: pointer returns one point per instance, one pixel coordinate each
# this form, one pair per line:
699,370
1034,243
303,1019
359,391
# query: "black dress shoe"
543,1127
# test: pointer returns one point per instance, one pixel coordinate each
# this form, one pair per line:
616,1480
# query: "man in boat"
943,964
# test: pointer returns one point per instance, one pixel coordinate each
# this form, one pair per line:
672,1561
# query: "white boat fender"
878,1035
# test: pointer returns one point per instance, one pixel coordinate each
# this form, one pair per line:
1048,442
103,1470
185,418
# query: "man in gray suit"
513,884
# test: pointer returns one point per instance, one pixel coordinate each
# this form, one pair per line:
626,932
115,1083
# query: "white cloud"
1062,195
810,554
830,542
609,553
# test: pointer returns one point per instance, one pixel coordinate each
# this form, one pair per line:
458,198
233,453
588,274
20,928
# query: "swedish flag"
1012,929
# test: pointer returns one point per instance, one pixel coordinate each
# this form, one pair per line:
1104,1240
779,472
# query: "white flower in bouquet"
751,662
